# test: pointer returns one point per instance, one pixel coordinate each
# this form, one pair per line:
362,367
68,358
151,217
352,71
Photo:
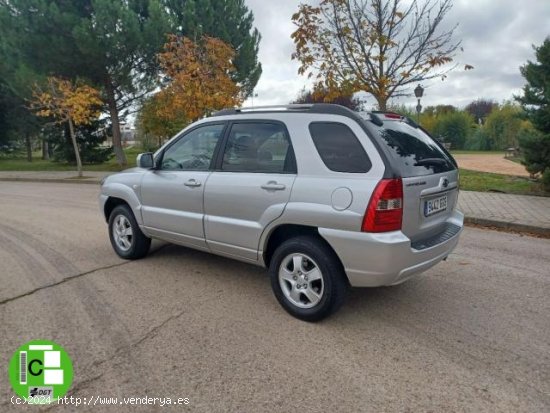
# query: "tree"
536,92
75,104
536,102
481,108
503,125
197,80
227,20
439,110
14,122
402,110
454,127
89,139
321,95
377,46
18,122
112,44
478,140
4,114
152,119
431,117
535,148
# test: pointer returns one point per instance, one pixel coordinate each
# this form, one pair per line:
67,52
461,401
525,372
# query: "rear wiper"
431,161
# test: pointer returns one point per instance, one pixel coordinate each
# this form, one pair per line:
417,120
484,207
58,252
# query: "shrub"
148,142
503,126
403,110
11,149
535,147
479,141
89,139
546,179
454,127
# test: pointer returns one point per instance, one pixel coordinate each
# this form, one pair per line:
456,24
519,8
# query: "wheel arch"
120,194
283,232
111,203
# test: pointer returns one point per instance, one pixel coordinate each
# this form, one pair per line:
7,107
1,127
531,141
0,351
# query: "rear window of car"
339,148
414,152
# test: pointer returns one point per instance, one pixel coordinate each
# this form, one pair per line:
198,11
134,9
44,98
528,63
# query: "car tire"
126,237
307,278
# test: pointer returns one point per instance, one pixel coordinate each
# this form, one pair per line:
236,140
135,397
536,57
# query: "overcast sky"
496,36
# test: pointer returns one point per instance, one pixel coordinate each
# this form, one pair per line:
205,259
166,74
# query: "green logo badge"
40,371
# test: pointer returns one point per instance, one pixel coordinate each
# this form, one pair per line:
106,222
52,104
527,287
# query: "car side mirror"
145,160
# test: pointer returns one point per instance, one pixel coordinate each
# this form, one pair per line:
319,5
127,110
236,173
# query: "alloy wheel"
122,232
301,280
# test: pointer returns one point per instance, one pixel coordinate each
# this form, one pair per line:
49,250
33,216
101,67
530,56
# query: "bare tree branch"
377,46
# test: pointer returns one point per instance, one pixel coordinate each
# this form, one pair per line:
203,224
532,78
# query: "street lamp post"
418,92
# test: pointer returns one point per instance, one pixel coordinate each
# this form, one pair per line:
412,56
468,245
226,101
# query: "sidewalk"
513,212
53,176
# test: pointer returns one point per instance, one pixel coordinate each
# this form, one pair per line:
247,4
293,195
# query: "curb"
508,226
93,181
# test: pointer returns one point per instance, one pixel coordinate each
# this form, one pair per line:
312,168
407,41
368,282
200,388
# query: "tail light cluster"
385,210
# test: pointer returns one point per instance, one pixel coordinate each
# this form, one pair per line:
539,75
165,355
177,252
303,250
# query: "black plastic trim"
448,232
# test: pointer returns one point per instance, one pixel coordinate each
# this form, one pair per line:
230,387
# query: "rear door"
430,177
249,188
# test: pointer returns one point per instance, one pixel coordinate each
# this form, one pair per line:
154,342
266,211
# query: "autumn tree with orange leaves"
376,46
65,101
196,80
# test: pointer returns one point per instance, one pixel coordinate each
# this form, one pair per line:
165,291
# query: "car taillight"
385,210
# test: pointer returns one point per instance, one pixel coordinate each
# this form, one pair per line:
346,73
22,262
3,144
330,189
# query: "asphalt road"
471,334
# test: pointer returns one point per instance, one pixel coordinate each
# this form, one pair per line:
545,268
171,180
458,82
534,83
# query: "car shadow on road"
207,267
250,278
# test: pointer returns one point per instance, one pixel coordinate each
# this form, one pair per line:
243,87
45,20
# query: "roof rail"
271,108
327,108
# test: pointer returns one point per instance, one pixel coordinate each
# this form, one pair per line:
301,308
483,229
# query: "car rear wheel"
126,238
307,278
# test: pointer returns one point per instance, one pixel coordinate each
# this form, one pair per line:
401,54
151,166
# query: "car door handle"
273,186
192,183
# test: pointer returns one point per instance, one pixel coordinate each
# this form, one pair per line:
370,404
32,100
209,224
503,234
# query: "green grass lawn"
489,182
464,152
37,164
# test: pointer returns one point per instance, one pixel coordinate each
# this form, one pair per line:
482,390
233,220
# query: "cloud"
280,82
496,37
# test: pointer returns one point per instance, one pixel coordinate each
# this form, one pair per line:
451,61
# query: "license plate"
435,205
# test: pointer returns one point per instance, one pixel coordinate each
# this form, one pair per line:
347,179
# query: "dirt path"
495,163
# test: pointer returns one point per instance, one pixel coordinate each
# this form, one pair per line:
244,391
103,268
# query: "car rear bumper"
378,259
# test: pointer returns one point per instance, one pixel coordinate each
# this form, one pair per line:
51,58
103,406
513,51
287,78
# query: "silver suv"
324,197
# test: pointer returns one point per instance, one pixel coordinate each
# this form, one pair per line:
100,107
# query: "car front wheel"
126,238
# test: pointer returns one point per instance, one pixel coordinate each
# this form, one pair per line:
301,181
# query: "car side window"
258,147
194,151
339,148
